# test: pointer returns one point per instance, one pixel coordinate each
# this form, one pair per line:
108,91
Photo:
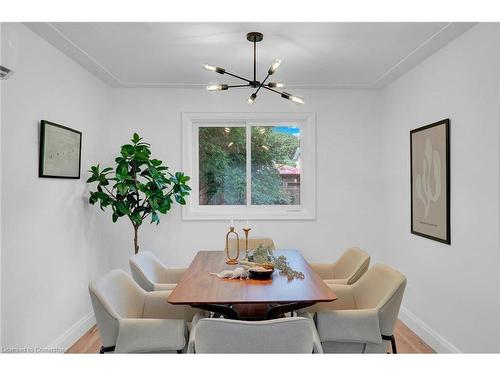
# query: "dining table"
249,299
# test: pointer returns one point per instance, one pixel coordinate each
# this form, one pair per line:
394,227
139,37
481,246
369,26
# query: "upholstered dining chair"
253,243
131,320
362,318
346,270
285,335
151,274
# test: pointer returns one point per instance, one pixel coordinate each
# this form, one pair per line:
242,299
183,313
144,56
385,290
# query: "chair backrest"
146,269
115,296
381,287
253,243
351,265
287,335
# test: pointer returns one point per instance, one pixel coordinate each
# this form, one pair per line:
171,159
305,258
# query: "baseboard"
426,333
74,332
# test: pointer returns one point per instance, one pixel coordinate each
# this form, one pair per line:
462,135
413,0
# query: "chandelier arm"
232,86
273,90
235,76
262,84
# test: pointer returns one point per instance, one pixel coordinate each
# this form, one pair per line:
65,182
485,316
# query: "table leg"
275,311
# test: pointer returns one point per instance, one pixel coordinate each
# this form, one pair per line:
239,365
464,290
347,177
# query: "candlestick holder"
232,261
246,230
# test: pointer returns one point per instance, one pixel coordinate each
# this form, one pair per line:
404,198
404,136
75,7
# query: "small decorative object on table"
246,230
260,273
232,261
237,273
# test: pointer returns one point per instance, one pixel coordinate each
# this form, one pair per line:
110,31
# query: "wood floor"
407,341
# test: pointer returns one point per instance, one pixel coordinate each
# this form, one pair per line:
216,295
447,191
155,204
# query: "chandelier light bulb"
293,98
209,67
217,87
296,99
252,98
277,85
212,68
274,66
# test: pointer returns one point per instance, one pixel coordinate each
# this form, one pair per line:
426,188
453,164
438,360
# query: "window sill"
224,214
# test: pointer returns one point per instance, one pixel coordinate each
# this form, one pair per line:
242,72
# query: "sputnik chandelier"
254,37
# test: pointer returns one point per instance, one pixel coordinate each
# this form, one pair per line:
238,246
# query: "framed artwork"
60,151
430,181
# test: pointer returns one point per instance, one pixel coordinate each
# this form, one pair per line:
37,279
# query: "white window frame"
306,210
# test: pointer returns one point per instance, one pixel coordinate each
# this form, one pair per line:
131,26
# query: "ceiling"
315,55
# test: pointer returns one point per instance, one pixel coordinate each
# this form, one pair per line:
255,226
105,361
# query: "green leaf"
121,207
180,199
136,218
122,170
135,138
155,218
114,217
154,203
127,150
122,188
93,199
156,162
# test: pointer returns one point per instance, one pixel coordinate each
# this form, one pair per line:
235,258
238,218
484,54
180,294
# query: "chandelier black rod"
254,61
273,90
233,86
234,75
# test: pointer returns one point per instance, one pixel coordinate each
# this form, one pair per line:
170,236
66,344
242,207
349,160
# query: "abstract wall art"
60,151
430,181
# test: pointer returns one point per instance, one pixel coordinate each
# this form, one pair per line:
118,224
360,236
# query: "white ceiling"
315,55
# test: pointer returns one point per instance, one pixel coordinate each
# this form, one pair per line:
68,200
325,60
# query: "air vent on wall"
5,72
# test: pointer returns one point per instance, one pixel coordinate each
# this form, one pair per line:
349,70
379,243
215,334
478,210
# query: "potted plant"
139,187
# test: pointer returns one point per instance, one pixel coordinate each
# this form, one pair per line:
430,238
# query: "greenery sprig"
264,254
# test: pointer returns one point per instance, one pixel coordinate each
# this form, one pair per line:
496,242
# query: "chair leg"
106,349
393,345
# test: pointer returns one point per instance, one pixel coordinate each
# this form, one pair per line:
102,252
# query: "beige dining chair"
362,318
253,243
151,274
346,270
131,320
285,335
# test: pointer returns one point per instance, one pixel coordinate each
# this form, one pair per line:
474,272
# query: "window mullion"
248,130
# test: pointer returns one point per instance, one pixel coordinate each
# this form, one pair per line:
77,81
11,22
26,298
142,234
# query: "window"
256,166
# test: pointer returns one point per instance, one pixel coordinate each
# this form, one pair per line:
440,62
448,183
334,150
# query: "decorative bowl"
260,273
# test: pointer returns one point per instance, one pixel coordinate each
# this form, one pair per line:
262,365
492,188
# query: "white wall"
453,290
51,244
347,182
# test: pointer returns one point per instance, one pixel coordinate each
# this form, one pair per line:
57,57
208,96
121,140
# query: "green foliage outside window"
222,165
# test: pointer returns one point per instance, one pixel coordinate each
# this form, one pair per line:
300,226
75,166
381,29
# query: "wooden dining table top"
197,286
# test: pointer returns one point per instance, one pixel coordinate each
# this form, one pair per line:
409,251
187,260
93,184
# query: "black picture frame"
43,134
447,237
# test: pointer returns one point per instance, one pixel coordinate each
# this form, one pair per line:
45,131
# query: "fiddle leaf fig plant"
138,187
